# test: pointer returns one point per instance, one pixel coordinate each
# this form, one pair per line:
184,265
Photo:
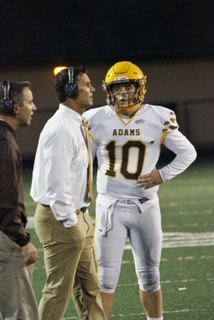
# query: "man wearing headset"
127,136
59,186
17,253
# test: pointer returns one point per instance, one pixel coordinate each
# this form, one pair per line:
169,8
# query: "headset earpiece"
6,103
71,87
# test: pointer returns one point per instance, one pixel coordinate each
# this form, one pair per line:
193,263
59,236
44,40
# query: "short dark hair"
15,92
61,81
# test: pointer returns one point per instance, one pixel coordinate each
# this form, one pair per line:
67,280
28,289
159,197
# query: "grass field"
187,267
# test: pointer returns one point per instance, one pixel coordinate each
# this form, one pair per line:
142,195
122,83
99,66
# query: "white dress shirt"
60,169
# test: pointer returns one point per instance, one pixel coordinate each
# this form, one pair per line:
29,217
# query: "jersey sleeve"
168,119
184,151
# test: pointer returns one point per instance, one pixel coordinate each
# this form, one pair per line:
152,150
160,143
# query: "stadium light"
58,69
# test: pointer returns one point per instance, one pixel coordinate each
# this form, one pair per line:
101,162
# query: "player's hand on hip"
150,180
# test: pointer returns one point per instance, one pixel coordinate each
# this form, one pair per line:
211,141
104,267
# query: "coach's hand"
150,180
31,254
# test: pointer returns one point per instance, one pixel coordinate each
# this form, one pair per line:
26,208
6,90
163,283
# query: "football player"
127,137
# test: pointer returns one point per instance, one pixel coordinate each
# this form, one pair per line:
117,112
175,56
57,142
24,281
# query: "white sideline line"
30,223
142,313
186,239
173,239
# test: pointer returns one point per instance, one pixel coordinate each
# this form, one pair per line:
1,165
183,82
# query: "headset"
71,88
6,103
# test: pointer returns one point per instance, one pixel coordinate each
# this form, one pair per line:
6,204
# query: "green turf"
187,273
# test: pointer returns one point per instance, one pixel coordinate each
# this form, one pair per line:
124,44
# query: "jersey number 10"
126,159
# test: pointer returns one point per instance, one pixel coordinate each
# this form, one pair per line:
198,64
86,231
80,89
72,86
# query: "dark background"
40,32
171,40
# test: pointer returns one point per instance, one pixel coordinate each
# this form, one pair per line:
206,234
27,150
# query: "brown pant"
69,259
17,298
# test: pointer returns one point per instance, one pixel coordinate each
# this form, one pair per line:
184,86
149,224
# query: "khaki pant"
17,299
68,256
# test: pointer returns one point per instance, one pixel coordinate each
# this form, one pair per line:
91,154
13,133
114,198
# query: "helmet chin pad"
123,109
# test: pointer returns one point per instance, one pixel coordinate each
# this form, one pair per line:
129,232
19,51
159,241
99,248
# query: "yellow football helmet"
125,72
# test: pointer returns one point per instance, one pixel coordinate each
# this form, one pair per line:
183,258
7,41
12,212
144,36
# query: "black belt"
45,205
83,210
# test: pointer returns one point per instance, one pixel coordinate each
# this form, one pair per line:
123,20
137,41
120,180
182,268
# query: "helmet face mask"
124,96
124,86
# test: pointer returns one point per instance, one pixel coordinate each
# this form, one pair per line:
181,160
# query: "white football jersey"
128,147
